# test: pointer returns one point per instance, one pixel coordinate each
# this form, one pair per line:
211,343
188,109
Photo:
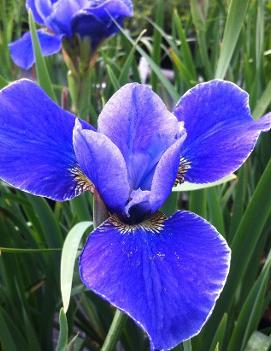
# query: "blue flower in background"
166,273
65,18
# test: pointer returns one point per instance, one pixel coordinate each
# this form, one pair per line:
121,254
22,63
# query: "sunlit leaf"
68,257
186,186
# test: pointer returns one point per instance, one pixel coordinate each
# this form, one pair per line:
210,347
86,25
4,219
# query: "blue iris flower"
65,18
166,273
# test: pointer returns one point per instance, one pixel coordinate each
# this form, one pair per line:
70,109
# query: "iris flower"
63,19
165,273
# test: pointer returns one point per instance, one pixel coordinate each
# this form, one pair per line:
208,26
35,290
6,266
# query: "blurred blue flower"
63,19
166,273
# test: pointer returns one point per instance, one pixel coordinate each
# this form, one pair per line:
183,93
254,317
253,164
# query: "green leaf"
6,333
219,334
244,242
251,311
63,333
124,75
112,77
157,39
47,222
263,102
3,82
186,186
68,258
41,68
187,55
250,228
156,69
215,210
114,331
187,346
258,341
197,202
12,250
235,18
200,25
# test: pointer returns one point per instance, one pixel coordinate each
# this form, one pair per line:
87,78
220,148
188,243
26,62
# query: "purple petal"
114,8
165,175
36,143
44,8
221,133
22,51
104,165
138,122
147,202
95,21
165,274
61,17
32,5
139,205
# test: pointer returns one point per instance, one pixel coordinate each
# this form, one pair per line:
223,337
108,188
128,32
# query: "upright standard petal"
36,150
22,50
138,122
61,16
221,133
165,175
41,9
144,203
104,165
32,5
165,273
95,21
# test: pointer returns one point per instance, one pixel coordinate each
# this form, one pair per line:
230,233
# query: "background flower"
64,19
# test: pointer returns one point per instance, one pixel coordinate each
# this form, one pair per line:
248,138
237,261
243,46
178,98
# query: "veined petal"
104,165
88,25
138,122
143,203
44,8
114,8
61,16
22,50
138,206
165,175
95,20
221,133
36,150
32,5
165,273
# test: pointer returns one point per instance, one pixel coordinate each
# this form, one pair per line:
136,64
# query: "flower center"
183,168
82,181
154,224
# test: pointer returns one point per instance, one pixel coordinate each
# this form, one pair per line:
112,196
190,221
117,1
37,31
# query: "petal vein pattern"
139,123
37,153
167,279
102,162
221,132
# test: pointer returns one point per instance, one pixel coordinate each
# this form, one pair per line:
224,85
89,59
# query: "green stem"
80,90
14,250
114,332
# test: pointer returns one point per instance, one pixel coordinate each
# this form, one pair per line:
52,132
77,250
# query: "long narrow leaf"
235,19
186,186
63,333
41,68
68,257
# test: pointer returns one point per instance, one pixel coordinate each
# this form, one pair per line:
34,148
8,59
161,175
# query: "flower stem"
79,87
114,332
